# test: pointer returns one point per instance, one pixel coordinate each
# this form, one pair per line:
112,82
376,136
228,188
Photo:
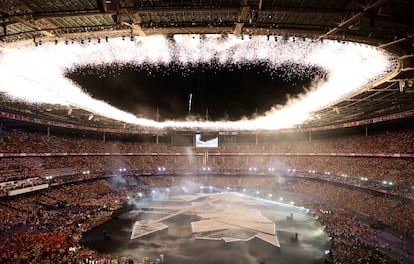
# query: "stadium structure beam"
146,10
136,29
345,22
260,4
68,14
102,5
244,13
133,20
43,31
406,56
392,43
235,9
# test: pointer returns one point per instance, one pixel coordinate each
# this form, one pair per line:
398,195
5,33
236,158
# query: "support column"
206,157
158,119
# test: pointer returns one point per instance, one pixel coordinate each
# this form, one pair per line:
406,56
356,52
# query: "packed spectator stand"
364,174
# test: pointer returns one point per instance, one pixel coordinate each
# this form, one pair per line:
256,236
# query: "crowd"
46,226
349,215
235,156
27,221
17,141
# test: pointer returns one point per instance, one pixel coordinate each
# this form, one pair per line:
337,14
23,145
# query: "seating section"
92,175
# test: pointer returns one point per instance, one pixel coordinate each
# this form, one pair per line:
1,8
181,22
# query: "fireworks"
37,74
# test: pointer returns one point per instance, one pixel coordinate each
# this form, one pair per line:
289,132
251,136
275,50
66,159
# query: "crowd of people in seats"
25,219
46,226
350,240
375,170
387,209
17,141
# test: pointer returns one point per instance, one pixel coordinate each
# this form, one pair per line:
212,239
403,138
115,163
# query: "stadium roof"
386,24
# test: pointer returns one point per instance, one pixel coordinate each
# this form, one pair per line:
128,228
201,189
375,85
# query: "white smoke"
37,74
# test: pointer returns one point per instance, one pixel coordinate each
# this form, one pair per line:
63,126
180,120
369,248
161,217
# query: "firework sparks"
37,74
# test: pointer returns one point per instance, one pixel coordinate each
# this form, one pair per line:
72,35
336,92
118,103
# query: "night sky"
230,92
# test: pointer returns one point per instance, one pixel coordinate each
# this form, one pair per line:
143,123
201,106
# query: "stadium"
206,131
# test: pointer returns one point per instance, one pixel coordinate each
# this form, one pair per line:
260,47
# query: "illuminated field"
187,228
37,74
